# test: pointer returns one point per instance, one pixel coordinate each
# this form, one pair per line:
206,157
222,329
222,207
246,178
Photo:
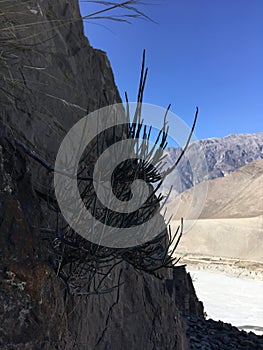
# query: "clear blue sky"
201,52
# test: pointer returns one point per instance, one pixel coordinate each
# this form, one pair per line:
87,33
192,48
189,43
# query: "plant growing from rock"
85,267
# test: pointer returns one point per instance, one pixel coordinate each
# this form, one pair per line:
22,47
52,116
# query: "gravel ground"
213,335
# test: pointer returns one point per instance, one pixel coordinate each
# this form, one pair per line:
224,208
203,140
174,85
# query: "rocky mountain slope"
224,194
221,155
231,221
237,195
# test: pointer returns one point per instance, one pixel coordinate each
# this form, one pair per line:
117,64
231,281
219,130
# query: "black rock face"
36,312
50,78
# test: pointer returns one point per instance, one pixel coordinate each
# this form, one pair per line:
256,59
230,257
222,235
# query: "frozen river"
230,299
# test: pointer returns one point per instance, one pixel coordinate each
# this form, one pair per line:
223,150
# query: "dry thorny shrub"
86,267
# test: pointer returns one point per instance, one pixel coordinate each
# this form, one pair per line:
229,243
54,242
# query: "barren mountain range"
230,213
212,158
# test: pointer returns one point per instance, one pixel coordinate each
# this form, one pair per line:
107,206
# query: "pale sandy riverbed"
232,267
230,299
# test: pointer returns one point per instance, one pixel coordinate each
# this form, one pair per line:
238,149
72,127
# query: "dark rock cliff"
50,75
36,311
50,78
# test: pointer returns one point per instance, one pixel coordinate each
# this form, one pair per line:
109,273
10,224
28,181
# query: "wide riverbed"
230,299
